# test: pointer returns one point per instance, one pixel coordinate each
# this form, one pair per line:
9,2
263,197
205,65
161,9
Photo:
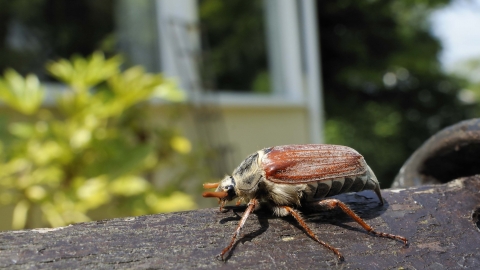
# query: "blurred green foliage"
233,35
468,71
94,147
32,32
384,90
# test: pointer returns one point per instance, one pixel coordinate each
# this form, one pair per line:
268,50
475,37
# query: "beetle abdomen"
332,187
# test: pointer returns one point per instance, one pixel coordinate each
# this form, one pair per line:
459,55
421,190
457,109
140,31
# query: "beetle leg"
377,191
332,203
239,202
222,204
302,223
251,206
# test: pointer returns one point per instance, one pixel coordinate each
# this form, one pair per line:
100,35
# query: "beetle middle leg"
302,223
332,203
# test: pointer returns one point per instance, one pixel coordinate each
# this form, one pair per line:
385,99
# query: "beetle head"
225,190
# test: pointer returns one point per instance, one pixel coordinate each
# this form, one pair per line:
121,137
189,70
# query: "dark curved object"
451,153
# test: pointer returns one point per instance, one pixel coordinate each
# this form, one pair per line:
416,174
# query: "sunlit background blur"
125,107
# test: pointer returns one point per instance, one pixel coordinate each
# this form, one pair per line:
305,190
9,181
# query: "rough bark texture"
439,221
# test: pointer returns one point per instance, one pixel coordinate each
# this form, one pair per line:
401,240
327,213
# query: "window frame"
292,47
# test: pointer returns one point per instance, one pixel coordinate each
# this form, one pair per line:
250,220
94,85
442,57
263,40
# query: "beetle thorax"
248,176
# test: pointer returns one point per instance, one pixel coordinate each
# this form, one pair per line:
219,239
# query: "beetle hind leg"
332,203
302,223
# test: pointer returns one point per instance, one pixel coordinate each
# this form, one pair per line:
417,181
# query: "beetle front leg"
239,202
251,206
332,203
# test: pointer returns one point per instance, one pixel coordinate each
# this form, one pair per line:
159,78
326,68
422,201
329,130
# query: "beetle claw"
220,257
222,204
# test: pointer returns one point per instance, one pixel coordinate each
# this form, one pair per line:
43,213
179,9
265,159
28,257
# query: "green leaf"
22,130
20,213
119,160
93,192
169,91
22,94
83,73
177,201
129,185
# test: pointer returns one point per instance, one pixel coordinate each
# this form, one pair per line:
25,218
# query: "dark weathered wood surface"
436,219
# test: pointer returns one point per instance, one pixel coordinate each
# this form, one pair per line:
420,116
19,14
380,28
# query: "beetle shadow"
365,204
262,216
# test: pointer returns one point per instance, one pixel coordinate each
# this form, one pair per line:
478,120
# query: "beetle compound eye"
230,191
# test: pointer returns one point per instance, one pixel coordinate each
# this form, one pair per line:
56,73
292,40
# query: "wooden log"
438,220
451,153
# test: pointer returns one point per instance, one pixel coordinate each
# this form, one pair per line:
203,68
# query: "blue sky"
458,27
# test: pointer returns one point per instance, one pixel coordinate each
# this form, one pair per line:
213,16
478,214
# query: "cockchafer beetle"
291,176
